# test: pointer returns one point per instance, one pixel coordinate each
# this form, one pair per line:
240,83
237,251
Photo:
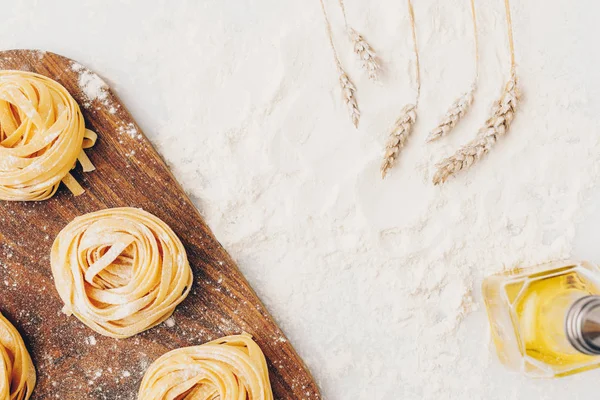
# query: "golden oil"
528,311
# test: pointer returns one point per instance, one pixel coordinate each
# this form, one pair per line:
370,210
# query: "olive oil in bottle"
545,320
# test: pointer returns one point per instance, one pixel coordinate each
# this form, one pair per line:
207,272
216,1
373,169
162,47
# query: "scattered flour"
93,87
130,130
376,284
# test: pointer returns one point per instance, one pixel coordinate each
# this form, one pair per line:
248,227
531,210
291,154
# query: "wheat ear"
459,108
348,88
366,54
348,92
398,135
496,126
408,116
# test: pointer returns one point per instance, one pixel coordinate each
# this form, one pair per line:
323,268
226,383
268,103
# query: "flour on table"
92,86
376,284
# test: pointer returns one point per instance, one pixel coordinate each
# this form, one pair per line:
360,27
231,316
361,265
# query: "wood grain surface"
72,361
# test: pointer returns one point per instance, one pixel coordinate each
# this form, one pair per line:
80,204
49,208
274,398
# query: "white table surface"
242,100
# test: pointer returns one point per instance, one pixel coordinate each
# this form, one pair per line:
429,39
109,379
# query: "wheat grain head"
398,135
457,110
496,126
366,54
349,95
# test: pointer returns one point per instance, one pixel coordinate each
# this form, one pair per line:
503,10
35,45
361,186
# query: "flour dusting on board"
92,86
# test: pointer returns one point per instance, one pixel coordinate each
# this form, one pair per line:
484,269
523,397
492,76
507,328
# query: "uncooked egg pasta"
17,374
120,270
42,135
230,368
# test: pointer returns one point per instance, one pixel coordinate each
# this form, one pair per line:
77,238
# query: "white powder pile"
376,284
93,87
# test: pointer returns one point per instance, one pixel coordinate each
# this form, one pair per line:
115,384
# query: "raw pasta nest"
17,374
120,270
230,368
42,135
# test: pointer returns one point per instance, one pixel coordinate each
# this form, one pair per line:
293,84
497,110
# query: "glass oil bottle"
545,320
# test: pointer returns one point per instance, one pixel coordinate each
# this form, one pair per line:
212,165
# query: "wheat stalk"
366,54
459,108
398,135
496,126
364,51
348,88
348,92
404,124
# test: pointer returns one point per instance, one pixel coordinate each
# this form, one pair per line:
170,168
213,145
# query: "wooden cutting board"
72,361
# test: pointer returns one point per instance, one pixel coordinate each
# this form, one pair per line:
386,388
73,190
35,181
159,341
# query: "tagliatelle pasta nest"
120,271
42,135
230,368
17,374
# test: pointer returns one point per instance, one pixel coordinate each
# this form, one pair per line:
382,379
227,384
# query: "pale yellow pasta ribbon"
120,270
230,368
42,135
17,374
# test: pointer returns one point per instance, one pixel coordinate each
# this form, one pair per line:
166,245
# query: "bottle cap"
582,325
